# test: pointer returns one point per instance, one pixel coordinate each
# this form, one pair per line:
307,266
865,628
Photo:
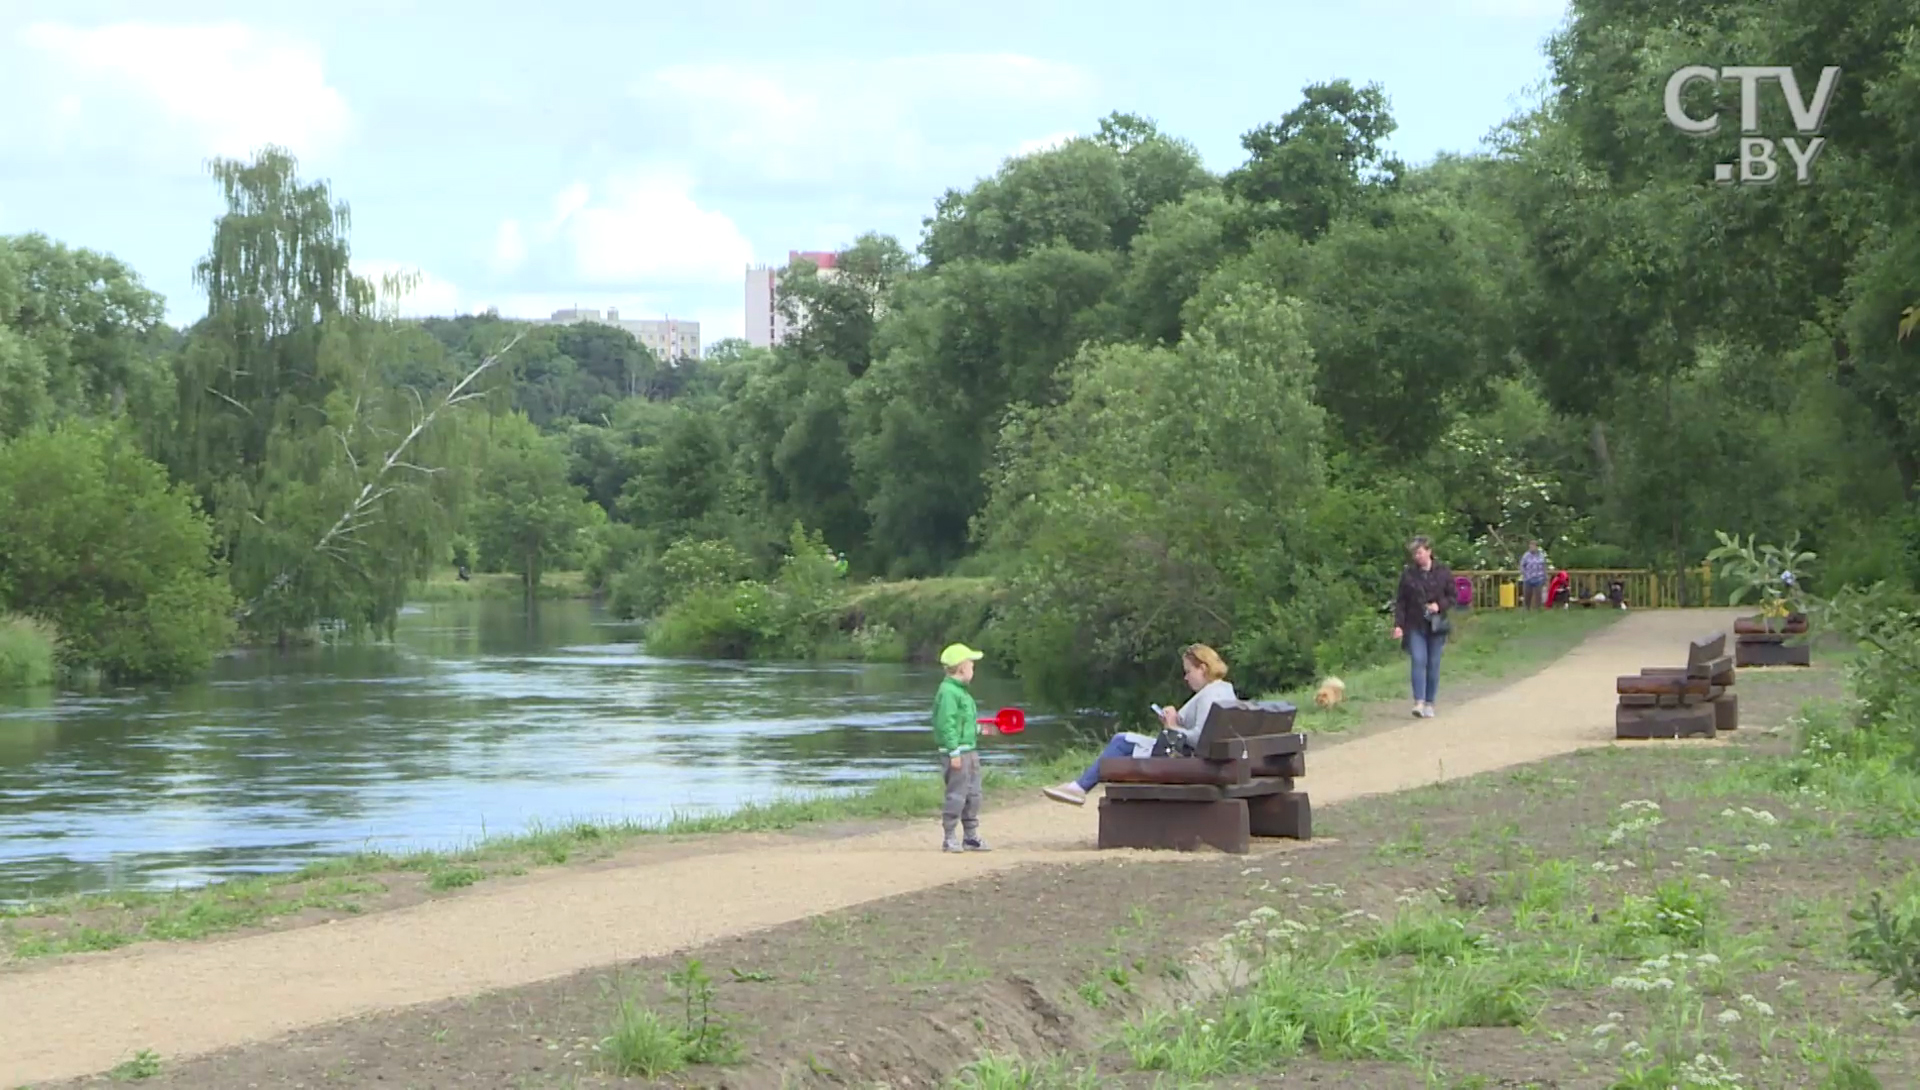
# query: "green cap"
957,653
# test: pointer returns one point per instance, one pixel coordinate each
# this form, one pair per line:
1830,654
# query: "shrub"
925,615
650,584
795,616
28,652
94,538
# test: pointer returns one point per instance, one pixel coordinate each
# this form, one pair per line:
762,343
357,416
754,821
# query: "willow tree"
322,433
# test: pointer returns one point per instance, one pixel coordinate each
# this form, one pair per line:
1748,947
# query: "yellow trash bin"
1506,596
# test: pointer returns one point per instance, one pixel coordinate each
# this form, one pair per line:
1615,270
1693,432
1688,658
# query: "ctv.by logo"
1756,163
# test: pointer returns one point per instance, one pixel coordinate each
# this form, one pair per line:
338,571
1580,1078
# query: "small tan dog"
1332,691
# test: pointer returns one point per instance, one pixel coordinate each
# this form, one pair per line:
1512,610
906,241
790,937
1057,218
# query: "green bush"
1355,644
28,650
795,617
925,615
95,539
651,584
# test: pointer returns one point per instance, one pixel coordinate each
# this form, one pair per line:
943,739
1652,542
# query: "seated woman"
1206,675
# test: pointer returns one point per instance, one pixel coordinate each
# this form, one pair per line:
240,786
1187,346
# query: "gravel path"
83,1015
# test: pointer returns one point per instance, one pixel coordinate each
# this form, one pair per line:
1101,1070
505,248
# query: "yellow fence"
1645,589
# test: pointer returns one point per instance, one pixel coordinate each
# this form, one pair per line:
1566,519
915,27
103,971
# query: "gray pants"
963,794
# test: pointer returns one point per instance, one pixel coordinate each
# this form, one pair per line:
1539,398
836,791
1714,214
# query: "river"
478,718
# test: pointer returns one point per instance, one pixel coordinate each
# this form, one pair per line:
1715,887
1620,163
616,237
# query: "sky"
641,155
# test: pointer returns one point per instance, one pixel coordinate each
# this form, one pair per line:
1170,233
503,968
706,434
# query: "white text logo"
1756,164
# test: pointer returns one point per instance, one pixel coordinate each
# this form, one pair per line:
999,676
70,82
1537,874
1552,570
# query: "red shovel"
1007,721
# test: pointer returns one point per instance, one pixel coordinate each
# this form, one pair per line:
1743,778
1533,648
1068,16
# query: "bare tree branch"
229,401
353,518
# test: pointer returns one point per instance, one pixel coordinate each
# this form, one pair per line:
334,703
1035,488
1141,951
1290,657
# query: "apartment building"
669,339
766,327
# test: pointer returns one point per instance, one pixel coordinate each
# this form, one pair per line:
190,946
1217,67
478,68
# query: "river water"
479,718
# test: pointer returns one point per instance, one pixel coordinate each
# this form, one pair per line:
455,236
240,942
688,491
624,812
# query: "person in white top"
1206,675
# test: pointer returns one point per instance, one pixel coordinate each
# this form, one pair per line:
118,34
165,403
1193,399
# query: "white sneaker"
1426,712
1070,793
1419,711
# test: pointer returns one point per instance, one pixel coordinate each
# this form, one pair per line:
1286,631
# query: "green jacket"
956,726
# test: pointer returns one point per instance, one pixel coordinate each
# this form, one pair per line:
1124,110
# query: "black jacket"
1417,588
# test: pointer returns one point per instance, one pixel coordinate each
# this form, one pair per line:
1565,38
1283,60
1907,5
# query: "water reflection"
480,717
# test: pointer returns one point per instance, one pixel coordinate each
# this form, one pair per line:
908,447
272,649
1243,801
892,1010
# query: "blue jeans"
1117,746
1424,649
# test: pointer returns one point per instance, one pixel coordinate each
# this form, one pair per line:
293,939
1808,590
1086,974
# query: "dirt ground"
1051,960
866,957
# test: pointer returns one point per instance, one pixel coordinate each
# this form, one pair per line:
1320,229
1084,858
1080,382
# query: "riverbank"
1588,920
1489,651
447,586
904,962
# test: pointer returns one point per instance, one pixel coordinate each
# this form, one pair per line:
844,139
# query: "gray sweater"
1193,714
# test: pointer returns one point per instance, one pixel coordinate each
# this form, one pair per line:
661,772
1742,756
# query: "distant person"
956,730
1533,576
1420,620
1206,675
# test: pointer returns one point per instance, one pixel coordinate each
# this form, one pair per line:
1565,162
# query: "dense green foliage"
94,539
1113,402
28,648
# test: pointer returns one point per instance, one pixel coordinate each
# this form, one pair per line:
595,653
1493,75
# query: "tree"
95,539
333,484
1323,159
79,336
1165,501
528,516
836,317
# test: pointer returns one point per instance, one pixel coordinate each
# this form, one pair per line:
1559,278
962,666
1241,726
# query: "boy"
956,730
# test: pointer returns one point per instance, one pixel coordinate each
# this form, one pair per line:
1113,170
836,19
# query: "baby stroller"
1557,589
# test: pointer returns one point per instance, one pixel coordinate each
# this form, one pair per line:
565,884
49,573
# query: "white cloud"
640,229
1517,9
905,115
509,246
427,297
227,89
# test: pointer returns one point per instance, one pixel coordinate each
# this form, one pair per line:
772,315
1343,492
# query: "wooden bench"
1239,784
1695,700
1756,644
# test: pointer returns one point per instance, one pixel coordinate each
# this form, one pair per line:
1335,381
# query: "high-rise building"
669,339
766,326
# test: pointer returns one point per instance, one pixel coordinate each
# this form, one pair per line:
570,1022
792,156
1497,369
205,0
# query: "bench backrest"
1706,649
1245,719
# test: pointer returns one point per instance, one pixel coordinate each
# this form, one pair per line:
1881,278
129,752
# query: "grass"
445,586
354,883
1489,645
644,1042
28,653
1665,919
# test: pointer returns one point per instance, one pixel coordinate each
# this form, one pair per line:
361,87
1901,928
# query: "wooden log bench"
1239,784
1784,644
1692,701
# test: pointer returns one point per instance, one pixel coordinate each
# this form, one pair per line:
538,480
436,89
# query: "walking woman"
1420,620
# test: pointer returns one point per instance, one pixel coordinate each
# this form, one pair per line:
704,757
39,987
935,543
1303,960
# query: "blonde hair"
1207,659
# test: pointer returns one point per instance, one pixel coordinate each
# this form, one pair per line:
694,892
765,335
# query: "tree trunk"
1601,453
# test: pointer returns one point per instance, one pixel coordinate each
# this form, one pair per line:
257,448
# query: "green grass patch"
446,586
